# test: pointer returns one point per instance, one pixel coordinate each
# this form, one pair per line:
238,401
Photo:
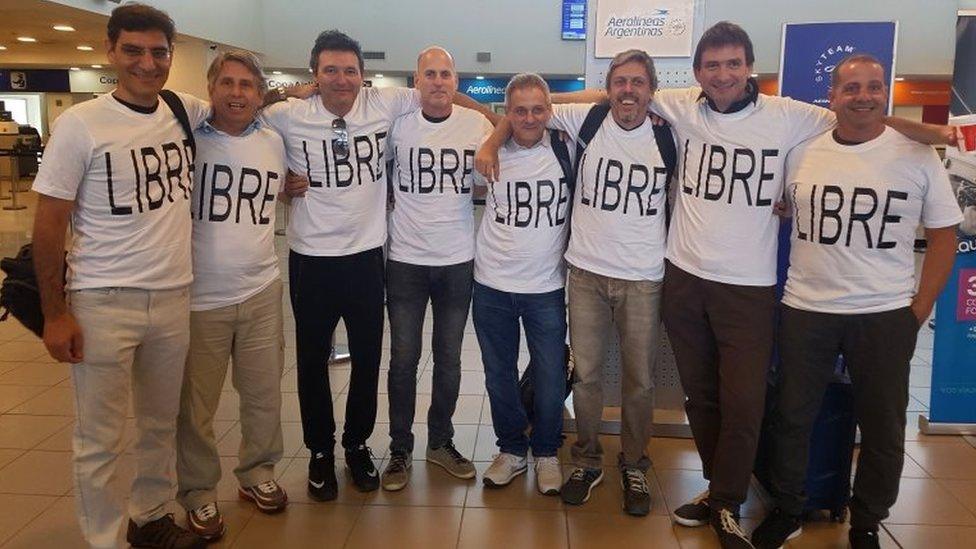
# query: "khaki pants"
132,339
250,332
596,303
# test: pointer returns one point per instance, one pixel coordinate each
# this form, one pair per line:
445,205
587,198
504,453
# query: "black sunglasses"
340,144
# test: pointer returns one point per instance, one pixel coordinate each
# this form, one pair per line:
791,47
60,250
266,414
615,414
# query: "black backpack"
19,295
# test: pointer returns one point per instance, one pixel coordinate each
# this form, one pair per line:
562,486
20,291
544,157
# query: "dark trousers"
496,321
408,289
877,349
323,290
722,335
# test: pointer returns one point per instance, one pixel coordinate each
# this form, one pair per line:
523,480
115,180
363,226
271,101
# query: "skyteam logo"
653,22
824,66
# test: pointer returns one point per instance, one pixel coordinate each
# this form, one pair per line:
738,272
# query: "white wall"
524,34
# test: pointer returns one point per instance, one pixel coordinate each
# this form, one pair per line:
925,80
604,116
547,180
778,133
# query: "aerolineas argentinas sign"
662,28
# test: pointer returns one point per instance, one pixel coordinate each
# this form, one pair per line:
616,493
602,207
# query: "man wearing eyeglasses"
337,140
119,168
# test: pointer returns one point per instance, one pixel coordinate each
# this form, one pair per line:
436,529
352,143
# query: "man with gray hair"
616,267
520,275
235,298
430,260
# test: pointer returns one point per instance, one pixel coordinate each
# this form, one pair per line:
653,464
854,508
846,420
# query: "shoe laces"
700,498
729,524
508,459
635,480
578,474
267,487
206,512
398,462
455,455
547,461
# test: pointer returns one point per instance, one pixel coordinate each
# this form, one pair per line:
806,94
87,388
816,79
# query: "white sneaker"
504,469
548,475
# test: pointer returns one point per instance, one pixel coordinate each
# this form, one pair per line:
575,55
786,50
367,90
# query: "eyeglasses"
136,52
340,143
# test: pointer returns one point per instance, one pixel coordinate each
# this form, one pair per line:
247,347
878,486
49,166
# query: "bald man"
431,252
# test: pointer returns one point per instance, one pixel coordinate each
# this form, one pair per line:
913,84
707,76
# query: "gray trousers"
596,303
251,333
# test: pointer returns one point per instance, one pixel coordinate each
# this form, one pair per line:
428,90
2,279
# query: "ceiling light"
3,48
64,28
75,68
96,66
26,39
581,78
479,77
899,79
85,48
275,72
754,75
378,76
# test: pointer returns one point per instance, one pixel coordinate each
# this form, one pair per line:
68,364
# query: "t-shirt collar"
512,146
207,128
752,95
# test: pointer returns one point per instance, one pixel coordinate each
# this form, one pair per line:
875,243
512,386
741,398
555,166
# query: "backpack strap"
591,124
561,151
669,154
179,111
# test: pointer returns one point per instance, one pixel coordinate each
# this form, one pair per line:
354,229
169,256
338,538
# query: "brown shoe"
268,496
206,522
163,533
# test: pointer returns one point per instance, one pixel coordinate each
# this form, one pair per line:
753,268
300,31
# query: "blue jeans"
408,289
496,321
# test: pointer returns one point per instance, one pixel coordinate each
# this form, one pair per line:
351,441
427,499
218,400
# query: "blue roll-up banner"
812,50
953,394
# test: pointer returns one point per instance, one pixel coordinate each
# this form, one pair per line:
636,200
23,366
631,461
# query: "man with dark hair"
338,140
855,295
118,167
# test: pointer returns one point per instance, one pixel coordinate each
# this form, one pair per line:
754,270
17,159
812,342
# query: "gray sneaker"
397,473
451,460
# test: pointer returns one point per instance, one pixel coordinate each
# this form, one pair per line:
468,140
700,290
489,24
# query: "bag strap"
591,124
669,154
179,111
561,151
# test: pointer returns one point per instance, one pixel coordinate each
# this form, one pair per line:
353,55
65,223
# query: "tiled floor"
936,509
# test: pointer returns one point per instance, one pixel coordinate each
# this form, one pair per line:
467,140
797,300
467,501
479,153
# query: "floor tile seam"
50,504
943,484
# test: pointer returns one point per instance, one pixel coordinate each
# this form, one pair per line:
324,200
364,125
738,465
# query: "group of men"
172,271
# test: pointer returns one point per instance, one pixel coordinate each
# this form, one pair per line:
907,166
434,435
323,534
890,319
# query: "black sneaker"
581,482
730,534
360,464
775,529
322,483
694,513
163,533
637,497
864,539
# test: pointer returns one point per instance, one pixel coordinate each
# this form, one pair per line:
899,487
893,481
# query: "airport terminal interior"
936,507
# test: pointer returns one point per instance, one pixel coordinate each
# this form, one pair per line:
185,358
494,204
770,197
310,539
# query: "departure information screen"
574,20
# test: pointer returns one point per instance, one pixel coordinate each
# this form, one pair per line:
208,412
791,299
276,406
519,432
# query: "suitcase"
828,482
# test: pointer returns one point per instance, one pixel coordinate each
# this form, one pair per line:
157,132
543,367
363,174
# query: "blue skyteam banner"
812,50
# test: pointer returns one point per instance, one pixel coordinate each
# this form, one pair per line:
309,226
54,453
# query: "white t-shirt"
129,176
236,181
522,238
433,218
729,176
344,210
856,210
619,205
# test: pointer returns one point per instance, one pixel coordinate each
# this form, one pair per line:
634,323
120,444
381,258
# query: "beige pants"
250,332
133,339
596,303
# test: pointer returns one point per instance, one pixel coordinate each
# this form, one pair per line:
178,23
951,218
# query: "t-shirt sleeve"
197,110
66,159
939,207
804,120
399,101
672,104
569,117
276,117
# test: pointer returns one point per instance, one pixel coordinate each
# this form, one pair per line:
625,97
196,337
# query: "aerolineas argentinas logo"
652,22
